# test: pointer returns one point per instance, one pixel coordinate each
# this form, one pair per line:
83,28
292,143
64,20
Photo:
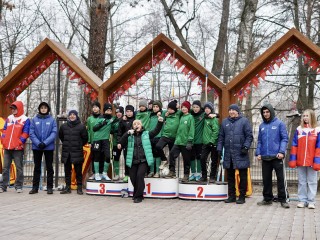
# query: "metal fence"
256,168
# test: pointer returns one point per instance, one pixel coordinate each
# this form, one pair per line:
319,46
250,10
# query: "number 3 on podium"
102,189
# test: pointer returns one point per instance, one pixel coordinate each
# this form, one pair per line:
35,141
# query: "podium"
201,191
158,188
106,188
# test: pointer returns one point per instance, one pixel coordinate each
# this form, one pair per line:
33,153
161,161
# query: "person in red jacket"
14,136
305,154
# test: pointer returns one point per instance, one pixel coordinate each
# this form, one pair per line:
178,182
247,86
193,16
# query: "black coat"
73,136
235,134
124,126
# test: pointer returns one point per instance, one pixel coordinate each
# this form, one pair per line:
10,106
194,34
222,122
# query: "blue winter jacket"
273,137
235,134
43,129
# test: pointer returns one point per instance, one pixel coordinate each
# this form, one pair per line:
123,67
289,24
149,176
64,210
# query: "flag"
255,81
93,95
178,64
185,70
314,65
75,76
133,79
262,74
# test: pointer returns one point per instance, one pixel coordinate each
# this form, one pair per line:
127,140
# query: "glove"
160,119
244,150
42,145
131,132
189,146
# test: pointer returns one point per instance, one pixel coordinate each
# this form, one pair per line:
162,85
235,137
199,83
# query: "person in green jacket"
183,143
139,154
169,131
116,153
156,112
143,114
101,142
210,140
198,115
91,122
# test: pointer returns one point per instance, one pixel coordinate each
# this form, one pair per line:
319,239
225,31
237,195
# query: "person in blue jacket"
43,133
271,149
235,137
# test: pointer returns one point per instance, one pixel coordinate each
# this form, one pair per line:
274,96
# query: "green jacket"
91,122
185,132
210,131
153,122
144,117
171,125
102,129
146,144
198,123
114,131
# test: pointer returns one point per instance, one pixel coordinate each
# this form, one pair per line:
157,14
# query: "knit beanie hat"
44,104
210,106
97,104
197,102
173,105
120,109
130,107
234,107
143,103
186,104
107,106
74,112
158,103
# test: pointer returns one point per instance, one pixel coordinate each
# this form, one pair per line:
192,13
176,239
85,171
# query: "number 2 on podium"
200,191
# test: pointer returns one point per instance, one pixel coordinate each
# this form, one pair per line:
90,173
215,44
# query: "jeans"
37,154
17,156
307,184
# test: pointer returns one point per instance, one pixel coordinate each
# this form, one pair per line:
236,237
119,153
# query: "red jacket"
305,150
16,129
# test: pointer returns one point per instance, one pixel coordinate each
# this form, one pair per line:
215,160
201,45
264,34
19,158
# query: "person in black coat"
235,137
74,136
125,125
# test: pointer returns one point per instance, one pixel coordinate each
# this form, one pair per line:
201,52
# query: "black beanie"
173,105
44,104
120,109
107,106
130,107
210,106
197,102
234,107
96,103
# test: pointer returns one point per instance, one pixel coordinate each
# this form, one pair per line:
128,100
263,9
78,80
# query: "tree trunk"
244,46
99,15
219,52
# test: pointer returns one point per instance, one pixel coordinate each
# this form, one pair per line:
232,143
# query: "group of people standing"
193,130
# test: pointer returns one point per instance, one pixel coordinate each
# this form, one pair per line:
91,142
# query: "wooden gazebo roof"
39,54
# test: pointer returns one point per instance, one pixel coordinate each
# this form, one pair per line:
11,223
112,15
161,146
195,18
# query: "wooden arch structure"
161,46
293,41
48,51
36,63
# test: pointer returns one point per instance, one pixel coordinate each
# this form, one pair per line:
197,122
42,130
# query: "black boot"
241,200
230,199
79,190
49,191
33,191
66,190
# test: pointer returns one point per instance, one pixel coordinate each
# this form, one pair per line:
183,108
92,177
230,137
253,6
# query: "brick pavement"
42,216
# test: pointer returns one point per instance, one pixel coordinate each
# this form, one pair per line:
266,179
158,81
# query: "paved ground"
42,216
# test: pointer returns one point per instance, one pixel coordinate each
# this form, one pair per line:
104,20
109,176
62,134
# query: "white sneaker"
92,177
163,164
311,206
1,190
116,178
150,174
97,177
157,175
19,190
301,205
105,176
